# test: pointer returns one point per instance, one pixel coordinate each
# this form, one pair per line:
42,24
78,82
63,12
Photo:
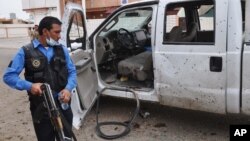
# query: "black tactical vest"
38,69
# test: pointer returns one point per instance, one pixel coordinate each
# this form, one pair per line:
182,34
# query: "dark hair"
47,22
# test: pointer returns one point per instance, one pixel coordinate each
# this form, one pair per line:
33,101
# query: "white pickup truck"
192,54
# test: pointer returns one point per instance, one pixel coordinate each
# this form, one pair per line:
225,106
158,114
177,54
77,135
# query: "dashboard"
120,44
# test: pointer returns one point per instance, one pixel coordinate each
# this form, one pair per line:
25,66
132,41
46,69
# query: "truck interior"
124,50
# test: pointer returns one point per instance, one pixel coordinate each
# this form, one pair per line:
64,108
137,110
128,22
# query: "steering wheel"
126,38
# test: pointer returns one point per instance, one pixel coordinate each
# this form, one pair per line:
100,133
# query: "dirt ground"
163,123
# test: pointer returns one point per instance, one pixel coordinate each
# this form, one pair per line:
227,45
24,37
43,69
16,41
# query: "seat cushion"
138,67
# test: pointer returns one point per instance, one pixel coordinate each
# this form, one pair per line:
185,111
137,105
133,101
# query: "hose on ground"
127,124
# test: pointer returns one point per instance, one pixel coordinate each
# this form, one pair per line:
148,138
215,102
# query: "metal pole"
84,6
247,21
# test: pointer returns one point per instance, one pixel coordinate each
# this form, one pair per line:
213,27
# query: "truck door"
190,54
74,36
246,60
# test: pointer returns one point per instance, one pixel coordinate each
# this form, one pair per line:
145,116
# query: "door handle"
215,64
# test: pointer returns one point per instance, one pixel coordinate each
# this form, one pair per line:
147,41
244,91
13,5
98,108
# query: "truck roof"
141,2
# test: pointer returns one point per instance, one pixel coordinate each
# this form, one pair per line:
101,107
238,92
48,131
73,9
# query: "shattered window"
76,31
190,22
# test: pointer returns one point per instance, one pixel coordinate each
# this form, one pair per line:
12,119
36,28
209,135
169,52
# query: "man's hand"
65,95
36,89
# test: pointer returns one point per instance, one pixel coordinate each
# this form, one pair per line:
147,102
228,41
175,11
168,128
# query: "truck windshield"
130,20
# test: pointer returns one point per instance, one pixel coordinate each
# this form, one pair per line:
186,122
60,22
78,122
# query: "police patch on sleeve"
36,63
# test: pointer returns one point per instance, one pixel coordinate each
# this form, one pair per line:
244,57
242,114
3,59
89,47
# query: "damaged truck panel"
192,73
246,63
234,54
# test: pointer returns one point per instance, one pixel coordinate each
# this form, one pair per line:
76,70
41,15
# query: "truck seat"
139,67
176,34
191,33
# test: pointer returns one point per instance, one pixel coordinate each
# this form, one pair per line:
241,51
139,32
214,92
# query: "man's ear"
45,31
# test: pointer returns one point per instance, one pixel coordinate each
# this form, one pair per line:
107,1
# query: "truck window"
76,34
130,19
189,22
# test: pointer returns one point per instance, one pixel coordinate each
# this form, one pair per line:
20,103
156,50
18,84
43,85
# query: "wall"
21,30
41,8
104,3
101,3
41,13
31,4
14,30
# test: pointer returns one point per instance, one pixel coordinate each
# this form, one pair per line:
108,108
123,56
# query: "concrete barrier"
21,30
14,30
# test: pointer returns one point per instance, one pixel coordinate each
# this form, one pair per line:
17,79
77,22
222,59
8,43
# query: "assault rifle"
54,113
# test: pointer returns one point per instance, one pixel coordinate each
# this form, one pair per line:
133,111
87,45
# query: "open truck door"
74,36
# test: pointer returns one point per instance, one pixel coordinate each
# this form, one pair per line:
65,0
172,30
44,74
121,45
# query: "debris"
159,125
136,125
144,114
111,79
124,78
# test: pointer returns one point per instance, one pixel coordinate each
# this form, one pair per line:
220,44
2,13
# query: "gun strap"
67,127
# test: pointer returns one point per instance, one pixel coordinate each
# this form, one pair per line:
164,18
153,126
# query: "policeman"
34,33
44,60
